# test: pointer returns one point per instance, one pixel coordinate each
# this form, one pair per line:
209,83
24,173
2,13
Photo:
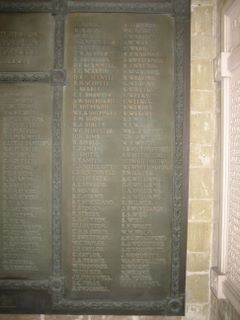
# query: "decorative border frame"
180,10
134,6
25,6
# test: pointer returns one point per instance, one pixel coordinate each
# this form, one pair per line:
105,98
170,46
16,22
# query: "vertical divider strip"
58,82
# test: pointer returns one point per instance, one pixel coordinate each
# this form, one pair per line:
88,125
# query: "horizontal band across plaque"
93,162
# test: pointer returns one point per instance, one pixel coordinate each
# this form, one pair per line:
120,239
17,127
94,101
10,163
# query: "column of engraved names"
92,171
143,158
24,205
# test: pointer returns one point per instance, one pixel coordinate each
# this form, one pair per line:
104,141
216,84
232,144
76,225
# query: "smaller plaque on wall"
26,42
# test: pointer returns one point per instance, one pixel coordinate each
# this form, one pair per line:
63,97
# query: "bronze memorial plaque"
93,156
118,155
26,42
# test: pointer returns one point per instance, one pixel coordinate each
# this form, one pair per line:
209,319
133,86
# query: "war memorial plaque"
93,122
118,155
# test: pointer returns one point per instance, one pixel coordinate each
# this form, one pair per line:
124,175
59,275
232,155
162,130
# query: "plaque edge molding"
120,7
179,219
174,7
28,76
173,306
25,6
7,284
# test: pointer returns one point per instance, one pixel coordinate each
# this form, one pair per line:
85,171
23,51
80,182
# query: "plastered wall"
202,159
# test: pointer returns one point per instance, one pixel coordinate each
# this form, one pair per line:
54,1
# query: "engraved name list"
118,155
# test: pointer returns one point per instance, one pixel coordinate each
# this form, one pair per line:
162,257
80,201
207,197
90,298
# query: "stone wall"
201,192
202,158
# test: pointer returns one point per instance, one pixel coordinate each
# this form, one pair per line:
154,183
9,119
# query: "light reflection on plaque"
25,183
26,42
118,155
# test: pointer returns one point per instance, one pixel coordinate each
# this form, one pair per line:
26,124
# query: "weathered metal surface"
118,155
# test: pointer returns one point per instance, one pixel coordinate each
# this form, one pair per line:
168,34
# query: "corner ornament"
175,305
